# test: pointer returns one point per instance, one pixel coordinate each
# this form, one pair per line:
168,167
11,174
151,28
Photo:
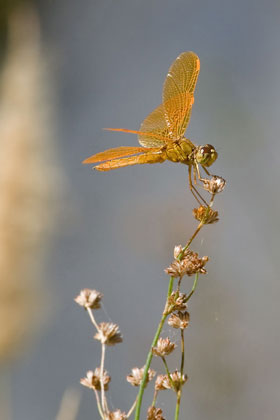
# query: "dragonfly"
162,133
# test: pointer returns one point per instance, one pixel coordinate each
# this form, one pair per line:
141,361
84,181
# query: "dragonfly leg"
194,191
194,176
196,171
206,171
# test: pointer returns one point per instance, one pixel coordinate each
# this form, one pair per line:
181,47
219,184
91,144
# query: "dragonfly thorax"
205,155
180,151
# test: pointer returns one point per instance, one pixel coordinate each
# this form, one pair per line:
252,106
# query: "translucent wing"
115,153
148,157
126,156
178,90
154,129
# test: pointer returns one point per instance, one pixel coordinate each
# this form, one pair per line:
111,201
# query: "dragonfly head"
206,155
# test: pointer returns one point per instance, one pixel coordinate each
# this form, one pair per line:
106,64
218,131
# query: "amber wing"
154,130
169,121
178,93
115,153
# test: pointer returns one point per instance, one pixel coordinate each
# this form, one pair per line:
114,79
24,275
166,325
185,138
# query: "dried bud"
154,414
190,264
164,347
93,380
177,251
116,415
89,299
136,376
205,215
180,320
162,383
176,302
214,185
108,333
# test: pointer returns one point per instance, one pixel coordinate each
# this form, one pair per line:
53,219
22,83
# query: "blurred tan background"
70,68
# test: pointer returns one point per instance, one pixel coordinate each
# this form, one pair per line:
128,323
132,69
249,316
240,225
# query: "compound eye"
208,149
206,155
203,154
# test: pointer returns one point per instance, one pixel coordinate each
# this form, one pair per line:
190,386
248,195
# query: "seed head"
136,376
205,215
164,347
89,299
162,383
177,379
176,269
108,333
176,302
189,265
214,185
179,320
116,415
154,414
93,380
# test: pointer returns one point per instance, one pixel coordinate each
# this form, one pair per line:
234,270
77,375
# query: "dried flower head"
189,265
179,320
164,347
154,414
93,380
89,299
136,376
162,383
176,269
108,333
176,302
177,380
214,185
205,215
116,415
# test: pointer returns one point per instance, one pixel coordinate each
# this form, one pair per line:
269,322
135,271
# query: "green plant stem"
182,354
177,409
193,288
155,398
150,354
179,392
190,241
158,331
168,372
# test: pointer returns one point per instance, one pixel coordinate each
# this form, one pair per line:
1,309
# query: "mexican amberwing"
162,132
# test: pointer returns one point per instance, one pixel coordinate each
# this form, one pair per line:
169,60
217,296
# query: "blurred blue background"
108,61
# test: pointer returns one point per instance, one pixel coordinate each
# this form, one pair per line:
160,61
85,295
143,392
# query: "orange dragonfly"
162,132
